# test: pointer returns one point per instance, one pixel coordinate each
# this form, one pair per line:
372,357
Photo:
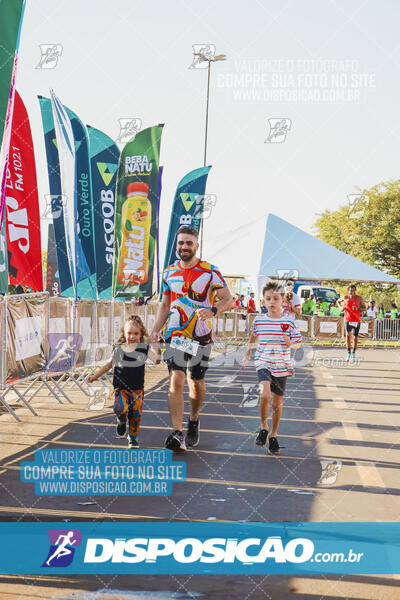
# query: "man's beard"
186,255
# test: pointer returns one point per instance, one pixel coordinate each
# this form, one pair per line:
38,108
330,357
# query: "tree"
369,229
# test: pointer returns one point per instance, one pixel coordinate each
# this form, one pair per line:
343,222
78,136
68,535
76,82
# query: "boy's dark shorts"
353,328
180,361
278,384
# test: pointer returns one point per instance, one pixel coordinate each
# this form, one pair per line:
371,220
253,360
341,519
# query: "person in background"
308,305
236,304
335,310
325,306
291,302
354,305
393,311
263,308
251,305
372,311
318,308
241,300
381,312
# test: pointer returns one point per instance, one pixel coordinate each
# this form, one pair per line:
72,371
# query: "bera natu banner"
136,214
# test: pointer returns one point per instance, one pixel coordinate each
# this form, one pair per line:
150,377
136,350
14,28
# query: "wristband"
214,309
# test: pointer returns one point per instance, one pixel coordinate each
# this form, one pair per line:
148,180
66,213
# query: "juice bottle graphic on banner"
133,264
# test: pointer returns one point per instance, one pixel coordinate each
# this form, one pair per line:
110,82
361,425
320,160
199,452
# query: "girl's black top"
129,367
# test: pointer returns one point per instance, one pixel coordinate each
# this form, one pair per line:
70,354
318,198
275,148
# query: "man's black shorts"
180,361
278,384
353,328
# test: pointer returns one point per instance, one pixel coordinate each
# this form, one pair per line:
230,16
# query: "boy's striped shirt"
272,352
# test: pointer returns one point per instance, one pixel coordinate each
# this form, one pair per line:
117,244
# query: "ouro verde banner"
136,214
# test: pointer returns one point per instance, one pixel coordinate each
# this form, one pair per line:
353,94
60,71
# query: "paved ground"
339,462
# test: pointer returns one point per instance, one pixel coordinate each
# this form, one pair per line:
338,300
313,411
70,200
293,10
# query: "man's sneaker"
353,357
133,442
273,446
175,441
193,434
348,356
121,427
261,439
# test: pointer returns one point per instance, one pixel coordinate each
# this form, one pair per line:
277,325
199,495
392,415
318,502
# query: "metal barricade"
86,327
327,327
229,325
148,314
104,331
118,319
24,344
241,329
366,328
387,329
304,325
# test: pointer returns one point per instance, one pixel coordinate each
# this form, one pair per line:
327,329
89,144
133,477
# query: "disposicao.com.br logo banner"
199,548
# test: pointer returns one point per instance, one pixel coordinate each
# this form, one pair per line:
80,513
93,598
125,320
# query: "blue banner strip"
200,548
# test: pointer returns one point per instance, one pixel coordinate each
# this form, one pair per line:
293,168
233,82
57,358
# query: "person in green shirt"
335,310
308,306
393,311
325,306
318,309
381,312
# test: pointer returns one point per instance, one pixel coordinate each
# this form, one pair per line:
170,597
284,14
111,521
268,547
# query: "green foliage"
369,231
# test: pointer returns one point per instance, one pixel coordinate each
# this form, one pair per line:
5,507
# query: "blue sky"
129,59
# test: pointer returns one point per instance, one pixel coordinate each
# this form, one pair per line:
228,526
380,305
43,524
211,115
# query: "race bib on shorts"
185,345
353,323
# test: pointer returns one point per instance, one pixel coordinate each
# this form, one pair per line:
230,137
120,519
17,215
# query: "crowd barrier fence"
56,342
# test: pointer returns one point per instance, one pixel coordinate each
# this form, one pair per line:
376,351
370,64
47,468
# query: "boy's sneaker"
121,427
175,441
193,434
261,439
133,442
273,446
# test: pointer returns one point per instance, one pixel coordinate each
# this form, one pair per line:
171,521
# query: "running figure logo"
251,395
63,543
128,128
50,53
278,129
199,51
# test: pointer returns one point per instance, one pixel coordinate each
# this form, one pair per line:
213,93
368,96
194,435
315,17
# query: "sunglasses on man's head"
289,284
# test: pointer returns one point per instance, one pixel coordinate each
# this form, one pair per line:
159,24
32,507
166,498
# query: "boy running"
276,334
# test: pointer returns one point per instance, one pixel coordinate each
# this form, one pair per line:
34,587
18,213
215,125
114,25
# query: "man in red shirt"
353,306
185,311
251,305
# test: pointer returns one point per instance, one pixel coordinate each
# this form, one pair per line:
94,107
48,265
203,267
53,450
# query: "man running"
186,310
353,306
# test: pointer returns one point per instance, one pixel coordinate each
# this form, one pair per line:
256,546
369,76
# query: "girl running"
128,359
